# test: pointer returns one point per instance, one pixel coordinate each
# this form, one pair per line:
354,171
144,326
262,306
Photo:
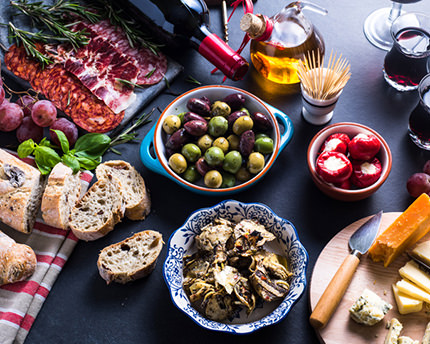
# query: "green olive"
243,174
181,117
242,124
232,162
214,156
264,145
178,163
233,140
213,179
228,180
260,135
220,109
255,162
221,142
191,174
205,142
217,126
191,152
171,124
245,110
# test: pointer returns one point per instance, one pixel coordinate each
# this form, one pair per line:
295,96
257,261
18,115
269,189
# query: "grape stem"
27,92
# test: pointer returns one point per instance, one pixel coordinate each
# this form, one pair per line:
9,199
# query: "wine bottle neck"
216,51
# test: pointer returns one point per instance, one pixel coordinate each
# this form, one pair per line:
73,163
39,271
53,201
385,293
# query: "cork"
253,25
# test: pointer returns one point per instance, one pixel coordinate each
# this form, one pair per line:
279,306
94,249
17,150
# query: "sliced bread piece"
60,196
101,208
137,201
130,259
21,189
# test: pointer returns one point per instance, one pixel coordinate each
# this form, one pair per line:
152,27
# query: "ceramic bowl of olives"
216,140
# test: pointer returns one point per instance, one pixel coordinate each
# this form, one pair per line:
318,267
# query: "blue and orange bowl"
153,152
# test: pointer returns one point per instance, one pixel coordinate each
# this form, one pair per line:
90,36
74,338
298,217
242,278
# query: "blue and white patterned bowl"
287,243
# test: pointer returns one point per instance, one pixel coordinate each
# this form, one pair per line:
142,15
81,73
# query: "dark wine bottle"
187,21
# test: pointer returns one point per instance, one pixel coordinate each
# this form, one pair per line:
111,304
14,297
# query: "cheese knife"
359,243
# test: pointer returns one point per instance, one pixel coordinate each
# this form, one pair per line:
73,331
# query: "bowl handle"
145,154
286,122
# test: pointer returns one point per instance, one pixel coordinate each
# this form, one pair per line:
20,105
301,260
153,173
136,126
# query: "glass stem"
395,11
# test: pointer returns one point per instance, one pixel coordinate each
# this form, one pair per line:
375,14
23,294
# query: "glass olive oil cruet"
279,42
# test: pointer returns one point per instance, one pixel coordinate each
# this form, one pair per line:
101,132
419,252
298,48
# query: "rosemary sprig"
52,17
192,80
27,40
128,83
116,16
129,134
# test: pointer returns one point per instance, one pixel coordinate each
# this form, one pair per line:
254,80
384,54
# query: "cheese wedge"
412,290
405,303
393,332
405,231
422,251
413,273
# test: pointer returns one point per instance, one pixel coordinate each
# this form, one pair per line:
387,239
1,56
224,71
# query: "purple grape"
11,116
2,94
68,128
26,102
418,183
426,168
29,130
44,113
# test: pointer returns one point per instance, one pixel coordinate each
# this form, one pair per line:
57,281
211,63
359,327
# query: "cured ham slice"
152,67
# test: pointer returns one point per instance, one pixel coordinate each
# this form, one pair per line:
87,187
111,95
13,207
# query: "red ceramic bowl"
351,129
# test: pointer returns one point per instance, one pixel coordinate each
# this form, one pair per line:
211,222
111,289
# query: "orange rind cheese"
405,231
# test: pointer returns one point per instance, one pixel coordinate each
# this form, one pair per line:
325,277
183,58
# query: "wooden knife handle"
334,292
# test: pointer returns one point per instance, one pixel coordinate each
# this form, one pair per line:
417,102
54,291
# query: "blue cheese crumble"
369,309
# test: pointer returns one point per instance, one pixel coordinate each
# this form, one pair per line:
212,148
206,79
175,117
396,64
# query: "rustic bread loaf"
21,188
17,261
61,194
130,259
137,201
99,210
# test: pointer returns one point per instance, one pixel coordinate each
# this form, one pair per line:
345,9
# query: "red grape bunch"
419,183
28,116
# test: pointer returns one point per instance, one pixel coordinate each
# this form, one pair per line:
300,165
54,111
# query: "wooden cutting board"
341,328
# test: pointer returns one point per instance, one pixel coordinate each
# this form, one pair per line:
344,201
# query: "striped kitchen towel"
21,302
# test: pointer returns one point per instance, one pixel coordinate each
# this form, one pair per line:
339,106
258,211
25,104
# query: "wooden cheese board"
374,276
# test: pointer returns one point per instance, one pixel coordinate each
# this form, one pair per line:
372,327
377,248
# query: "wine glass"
377,25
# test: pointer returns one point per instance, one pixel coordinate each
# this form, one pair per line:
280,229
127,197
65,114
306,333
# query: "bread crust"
52,208
133,274
135,210
16,200
17,261
115,215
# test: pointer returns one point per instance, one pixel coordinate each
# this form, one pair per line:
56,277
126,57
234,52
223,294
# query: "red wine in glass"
407,61
419,120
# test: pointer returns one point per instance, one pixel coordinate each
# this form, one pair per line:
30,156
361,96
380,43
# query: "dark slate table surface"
81,308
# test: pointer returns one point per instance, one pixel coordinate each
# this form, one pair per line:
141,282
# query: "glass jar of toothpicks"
321,86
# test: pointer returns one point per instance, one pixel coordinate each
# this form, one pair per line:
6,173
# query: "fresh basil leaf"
26,148
71,161
85,154
46,156
63,140
93,144
44,170
87,164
